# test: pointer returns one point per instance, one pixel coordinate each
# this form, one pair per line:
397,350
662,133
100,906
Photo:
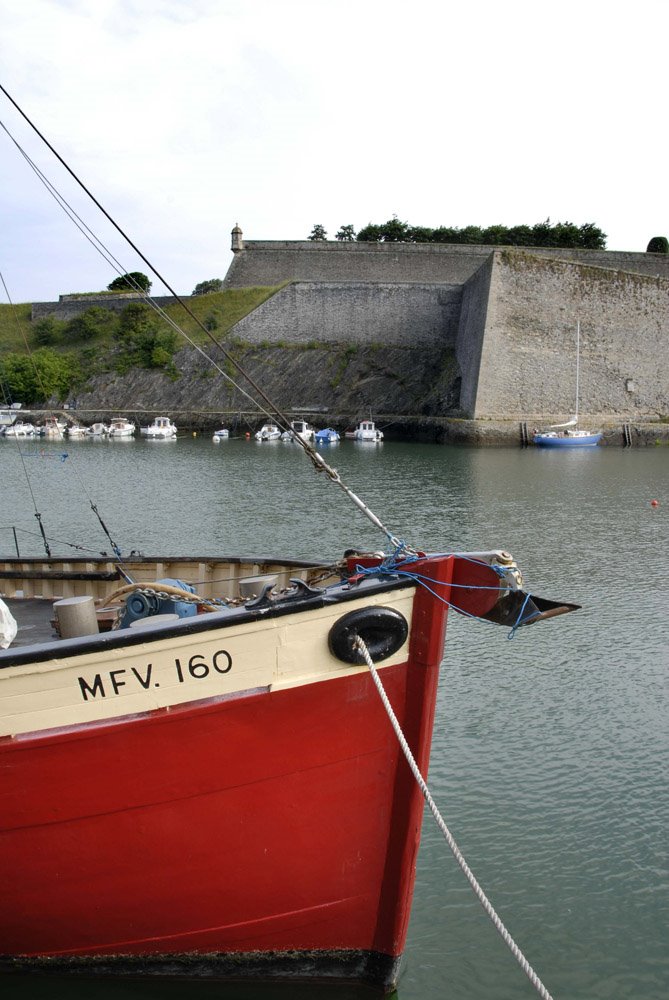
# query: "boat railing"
56,579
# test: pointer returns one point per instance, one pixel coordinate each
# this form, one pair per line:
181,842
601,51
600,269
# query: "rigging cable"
273,409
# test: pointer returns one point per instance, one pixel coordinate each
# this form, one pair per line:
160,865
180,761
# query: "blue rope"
390,567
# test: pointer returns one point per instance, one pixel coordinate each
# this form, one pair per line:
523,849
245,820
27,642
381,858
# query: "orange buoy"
247,435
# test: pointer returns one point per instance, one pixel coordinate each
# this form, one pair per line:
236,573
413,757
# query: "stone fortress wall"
509,314
506,316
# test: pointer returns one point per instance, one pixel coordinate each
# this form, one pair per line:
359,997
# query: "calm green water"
551,751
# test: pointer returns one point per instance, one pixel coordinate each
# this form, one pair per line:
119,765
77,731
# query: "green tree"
133,281
318,233
48,331
35,378
205,287
93,322
144,342
658,244
420,234
346,234
371,233
392,231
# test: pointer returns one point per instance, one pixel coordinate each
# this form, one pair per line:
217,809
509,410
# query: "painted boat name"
196,667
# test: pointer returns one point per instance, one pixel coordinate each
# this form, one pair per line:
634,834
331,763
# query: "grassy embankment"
219,311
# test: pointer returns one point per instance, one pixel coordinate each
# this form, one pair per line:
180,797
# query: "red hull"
269,822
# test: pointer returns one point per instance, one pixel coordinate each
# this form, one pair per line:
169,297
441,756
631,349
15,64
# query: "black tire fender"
383,630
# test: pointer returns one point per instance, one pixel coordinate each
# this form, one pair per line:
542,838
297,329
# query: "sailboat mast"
578,363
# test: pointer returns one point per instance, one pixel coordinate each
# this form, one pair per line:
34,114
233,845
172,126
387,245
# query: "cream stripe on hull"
171,670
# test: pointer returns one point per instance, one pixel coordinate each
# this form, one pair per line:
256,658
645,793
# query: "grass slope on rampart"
219,311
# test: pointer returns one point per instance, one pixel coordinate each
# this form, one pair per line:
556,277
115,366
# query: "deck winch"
147,603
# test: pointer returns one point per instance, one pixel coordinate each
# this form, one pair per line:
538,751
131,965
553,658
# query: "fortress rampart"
435,330
508,314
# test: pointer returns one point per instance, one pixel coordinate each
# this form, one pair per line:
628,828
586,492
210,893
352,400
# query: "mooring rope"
448,836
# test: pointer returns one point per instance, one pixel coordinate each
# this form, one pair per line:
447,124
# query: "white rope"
480,895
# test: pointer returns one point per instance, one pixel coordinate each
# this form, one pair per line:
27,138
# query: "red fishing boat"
214,784
223,792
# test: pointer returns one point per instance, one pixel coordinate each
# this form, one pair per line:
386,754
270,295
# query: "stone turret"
237,239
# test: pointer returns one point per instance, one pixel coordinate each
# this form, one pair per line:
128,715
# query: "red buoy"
655,503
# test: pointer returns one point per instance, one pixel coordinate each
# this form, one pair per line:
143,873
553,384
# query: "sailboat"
569,435
216,784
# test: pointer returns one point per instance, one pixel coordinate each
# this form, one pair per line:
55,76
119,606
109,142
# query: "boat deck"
33,618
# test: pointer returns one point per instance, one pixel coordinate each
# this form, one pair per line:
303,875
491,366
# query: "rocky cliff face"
343,380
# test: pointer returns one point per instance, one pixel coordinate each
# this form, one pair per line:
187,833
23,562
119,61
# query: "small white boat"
268,432
77,431
121,428
327,436
162,429
20,429
98,430
301,428
220,435
54,429
367,431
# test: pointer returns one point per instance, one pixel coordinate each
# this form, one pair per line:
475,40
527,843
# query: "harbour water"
551,748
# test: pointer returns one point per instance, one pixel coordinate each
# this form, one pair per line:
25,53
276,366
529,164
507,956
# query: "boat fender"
383,630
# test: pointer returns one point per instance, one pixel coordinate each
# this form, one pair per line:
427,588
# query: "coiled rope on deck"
448,836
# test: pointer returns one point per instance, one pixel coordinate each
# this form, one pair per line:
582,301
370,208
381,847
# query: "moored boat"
568,434
367,431
567,438
298,428
197,716
268,432
119,427
97,430
213,785
76,430
161,429
53,429
20,429
327,436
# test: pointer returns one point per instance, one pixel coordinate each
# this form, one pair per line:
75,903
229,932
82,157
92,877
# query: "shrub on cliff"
48,331
143,340
35,378
206,287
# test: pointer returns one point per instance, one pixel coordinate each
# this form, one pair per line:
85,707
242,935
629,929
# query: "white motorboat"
98,430
54,429
20,429
77,431
121,428
268,432
221,435
161,429
301,428
367,431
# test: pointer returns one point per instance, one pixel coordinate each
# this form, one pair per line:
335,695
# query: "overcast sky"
186,116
